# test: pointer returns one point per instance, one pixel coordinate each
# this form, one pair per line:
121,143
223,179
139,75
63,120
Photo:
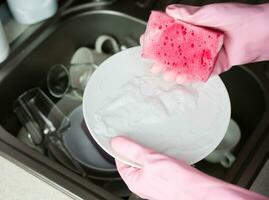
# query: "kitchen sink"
248,105
248,88
58,48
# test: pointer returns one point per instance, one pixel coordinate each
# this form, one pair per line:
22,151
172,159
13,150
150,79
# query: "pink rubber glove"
245,26
164,178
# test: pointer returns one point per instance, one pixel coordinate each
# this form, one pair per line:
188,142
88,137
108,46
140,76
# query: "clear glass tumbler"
60,78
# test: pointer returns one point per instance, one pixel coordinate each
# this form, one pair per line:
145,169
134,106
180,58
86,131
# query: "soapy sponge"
180,47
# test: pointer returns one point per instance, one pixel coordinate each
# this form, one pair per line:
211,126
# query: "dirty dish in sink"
223,153
24,136
123,97
83,148
70,105
62,78
69,102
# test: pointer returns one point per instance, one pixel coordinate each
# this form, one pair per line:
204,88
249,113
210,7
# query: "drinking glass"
44,121
61,79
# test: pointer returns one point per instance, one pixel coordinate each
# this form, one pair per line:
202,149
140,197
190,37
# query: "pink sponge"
184,48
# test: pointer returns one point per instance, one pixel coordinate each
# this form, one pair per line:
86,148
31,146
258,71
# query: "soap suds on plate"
144,101
123,98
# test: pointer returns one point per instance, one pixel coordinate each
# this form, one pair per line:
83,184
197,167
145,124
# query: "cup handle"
227,160
102,39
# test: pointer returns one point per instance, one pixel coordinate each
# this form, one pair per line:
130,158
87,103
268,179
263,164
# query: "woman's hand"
164,178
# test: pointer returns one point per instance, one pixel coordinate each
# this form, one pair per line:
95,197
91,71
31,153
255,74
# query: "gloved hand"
245,27
165,178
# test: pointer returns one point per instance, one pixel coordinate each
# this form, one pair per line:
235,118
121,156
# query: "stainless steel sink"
248,88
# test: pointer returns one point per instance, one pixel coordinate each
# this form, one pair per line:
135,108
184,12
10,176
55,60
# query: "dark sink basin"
58,48
55,45
80,27
247,98
248,103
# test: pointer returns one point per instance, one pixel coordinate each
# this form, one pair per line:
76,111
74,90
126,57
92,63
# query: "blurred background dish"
24,136
223,153
78,141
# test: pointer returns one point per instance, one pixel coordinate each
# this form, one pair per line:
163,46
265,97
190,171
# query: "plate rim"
134,164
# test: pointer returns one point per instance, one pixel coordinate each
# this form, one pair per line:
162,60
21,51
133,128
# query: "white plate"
190,135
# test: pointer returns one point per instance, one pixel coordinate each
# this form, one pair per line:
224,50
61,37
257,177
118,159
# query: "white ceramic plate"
190,135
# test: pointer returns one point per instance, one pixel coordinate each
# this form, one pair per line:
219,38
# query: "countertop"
17,183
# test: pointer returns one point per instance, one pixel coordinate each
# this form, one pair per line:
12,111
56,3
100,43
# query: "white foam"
144,100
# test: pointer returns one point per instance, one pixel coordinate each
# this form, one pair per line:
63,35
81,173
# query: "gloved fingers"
156,68
169,75
222,63
129,149
182,79
129,174
212,15
126,170
141,39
